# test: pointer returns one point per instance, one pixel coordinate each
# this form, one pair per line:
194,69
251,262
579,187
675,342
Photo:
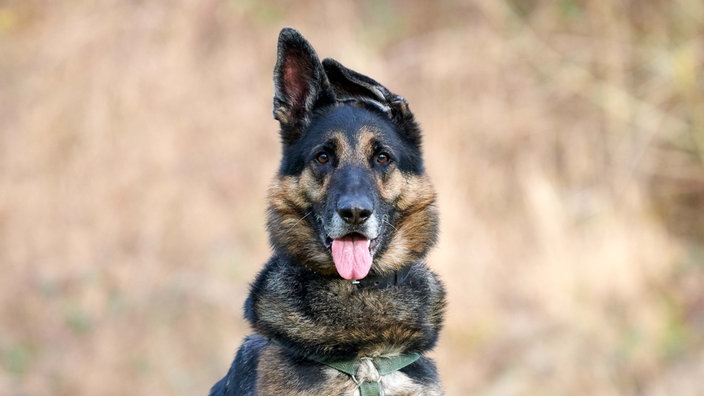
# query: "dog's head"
351,195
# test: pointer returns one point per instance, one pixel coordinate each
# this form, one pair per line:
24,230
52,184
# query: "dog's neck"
325,316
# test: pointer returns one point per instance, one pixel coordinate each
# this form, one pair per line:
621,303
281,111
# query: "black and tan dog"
346,305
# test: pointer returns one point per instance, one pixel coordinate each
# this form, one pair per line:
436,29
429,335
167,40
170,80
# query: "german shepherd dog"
346,304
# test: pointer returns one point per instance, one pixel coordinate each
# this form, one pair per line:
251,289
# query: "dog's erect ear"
348,85
300,84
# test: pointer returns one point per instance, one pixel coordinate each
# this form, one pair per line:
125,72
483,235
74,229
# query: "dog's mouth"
352,254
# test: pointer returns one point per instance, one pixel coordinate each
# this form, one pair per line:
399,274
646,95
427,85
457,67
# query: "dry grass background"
565,138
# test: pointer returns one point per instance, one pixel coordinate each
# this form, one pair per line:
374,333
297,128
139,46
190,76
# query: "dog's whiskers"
385,221
300,220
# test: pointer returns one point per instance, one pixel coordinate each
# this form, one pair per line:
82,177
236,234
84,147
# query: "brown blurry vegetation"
565,139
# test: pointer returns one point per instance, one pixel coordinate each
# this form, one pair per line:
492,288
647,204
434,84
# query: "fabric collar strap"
383,365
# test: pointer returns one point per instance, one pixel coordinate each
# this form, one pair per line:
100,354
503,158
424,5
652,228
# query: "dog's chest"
346,301
279,375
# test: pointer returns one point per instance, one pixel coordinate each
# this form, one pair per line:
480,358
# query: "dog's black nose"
355,210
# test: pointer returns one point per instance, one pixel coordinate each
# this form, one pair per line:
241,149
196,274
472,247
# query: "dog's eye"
322,158
383,158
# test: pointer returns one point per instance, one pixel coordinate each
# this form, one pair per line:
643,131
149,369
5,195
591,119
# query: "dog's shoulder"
264,367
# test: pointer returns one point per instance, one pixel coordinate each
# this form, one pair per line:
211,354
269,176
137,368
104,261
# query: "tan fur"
415,199
344,151
366,136
289,198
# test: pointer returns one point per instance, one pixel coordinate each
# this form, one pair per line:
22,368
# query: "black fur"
346,138
239,379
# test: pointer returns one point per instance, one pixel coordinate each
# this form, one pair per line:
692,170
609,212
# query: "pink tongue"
351,256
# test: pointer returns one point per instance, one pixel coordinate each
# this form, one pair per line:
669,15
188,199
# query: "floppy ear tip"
399,101
333,67
330,62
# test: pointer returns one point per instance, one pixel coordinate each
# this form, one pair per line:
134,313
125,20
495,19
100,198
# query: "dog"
346,305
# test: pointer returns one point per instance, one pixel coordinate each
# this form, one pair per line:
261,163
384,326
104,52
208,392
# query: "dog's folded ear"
350,85
300,84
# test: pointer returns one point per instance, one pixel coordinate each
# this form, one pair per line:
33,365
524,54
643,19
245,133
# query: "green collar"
370,370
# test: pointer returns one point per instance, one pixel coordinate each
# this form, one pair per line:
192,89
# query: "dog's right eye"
322,158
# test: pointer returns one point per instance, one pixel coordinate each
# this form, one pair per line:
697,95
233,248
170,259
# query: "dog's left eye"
383,158
322,158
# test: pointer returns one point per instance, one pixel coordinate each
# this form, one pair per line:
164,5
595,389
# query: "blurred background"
565,139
